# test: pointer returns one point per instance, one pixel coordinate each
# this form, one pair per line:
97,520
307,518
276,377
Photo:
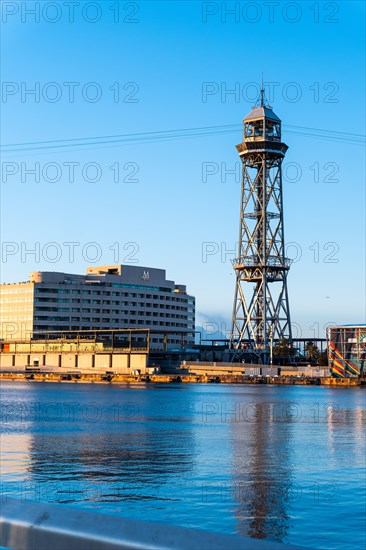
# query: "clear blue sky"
169,52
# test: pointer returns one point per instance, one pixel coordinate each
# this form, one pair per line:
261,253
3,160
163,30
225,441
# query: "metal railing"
37,526
255,261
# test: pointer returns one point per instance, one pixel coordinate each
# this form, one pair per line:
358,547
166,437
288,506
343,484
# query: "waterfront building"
347,350
105,298
94,352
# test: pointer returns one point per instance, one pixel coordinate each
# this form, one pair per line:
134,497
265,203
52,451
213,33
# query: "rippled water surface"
283,463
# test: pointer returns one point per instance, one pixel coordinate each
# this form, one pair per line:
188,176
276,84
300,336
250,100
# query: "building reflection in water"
15,456
351,420
113,460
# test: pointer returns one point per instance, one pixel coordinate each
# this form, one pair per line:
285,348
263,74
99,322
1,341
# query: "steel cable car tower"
261,310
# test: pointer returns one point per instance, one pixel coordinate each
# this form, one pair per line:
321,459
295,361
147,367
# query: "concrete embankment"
176,378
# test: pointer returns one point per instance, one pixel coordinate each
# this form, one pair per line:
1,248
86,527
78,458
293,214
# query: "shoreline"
179,378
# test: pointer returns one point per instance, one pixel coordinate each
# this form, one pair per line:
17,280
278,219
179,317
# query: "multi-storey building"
107,297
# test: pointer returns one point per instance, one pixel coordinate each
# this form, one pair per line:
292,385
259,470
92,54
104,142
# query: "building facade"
107,297
347,350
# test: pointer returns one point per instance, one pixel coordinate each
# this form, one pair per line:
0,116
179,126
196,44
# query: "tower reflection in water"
262,470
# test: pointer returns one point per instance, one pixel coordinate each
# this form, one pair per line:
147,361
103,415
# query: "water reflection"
283,463
103,456
351,420
262,472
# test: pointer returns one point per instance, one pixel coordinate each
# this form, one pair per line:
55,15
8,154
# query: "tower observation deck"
261,309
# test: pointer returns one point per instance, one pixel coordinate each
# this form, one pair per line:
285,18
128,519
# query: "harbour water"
284,463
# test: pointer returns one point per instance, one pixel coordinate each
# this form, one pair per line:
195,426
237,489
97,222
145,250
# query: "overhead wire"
155,136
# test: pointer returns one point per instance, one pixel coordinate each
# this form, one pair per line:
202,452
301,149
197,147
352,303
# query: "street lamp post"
271,346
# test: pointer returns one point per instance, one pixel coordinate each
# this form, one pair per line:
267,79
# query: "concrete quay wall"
131,378
246,369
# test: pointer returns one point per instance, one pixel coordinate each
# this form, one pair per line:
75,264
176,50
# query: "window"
48,290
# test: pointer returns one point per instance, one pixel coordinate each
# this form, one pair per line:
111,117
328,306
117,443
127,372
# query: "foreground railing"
37,526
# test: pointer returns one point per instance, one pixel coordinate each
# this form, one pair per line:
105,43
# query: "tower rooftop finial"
262,96
262,92
262,108
261,101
